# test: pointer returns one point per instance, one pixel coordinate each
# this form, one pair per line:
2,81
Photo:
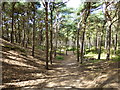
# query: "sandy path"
67,73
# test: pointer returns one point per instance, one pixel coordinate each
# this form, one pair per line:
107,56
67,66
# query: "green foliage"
95,61
94,51
71,49
116,59
60,52
118,52
40,47
58,57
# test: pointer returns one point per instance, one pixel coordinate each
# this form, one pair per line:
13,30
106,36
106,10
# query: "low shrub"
59,57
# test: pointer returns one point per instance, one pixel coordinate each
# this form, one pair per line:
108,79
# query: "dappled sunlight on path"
23,71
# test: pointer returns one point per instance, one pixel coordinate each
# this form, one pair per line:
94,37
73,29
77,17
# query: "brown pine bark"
78,46
47,40
12,32
51,33
33,36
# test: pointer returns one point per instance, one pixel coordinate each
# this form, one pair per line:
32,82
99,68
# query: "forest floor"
21,71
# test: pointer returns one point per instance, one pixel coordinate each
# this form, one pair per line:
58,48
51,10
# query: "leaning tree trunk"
86,14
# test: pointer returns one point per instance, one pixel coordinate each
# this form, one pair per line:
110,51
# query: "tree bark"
78,53
66,45
86,14
51,34
82,46
12,32
115,48
7,29
109,44
47,40
96,41
100,44
89,45
19,32
33,36
23,39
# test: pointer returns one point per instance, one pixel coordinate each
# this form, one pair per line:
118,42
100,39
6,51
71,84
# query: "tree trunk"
23,39
19,32
2,25
82,46
51,35
78,53
66,45
86,14
7,31
115,48
100,44
55,47
12,32
89,45
96,41
73,47
27,31
47,40
41,35
106,39
109,44
33,36
3,18
56,39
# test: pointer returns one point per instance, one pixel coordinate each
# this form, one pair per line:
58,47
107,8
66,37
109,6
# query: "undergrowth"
58,57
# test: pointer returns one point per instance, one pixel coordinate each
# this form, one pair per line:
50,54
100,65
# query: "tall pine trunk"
12,32
115,48
33,36
51,34
109,44
78,46
82,45
100,45
47,40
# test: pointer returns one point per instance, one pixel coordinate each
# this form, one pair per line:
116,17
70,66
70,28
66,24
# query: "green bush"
118,52
71,49
116,59
59,57
40,47
94,51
